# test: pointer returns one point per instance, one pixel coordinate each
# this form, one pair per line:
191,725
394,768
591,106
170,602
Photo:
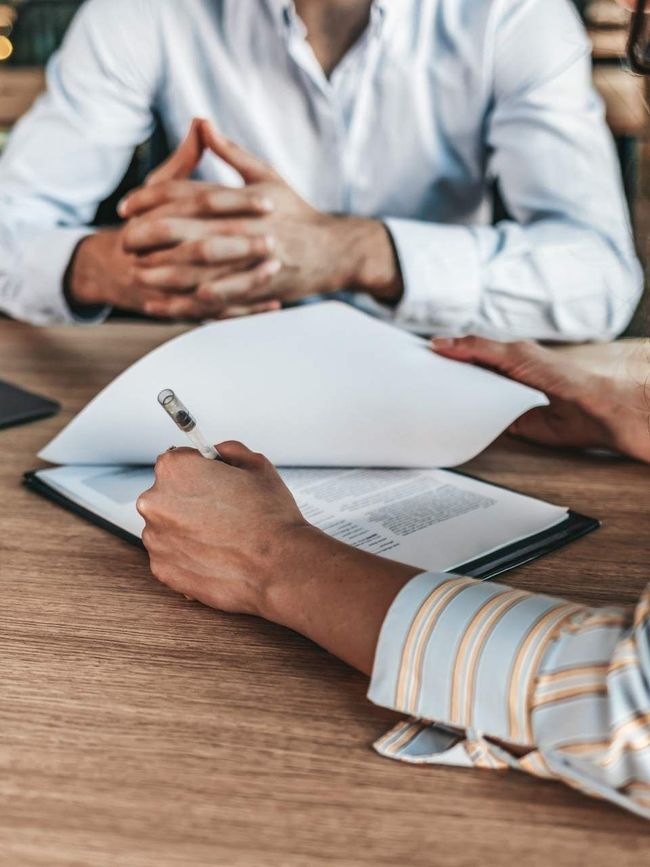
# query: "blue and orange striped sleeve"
493,677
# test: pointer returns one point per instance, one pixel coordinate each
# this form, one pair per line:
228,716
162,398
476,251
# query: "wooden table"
140,729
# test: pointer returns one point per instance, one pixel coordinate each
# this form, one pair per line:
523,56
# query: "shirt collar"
383,11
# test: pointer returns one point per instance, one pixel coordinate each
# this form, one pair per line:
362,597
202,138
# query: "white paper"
430,519
319,385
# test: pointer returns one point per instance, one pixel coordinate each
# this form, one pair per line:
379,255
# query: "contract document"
359,416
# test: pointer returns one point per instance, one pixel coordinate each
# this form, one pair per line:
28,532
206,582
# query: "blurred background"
30,30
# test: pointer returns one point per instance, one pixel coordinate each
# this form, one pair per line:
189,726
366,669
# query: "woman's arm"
489,676
232,536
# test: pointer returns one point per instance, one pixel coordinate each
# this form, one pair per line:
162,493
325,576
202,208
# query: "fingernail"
265,204
123,207
273,266
443,343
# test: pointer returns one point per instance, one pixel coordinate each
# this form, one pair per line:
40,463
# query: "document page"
430,519
320,385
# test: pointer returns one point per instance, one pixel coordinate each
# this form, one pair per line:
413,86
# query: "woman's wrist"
333,594
304,551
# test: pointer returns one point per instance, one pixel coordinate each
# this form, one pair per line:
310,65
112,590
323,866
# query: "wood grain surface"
141,730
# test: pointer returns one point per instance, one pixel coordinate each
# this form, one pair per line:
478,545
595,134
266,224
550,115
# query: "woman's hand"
219,532
231,535
586,410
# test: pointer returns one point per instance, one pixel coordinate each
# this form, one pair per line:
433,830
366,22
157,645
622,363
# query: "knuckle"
163,463
165,230
154,276
173,277
143,504
259,246
158,569
130,233
205,251
170,278
166,190
260,279
183,459
208,293
208,200
152,197
233,227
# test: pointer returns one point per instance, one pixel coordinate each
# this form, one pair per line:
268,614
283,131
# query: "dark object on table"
18,406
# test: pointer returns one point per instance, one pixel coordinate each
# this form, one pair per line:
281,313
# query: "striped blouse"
492,677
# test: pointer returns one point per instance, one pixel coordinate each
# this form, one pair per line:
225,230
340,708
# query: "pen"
185,421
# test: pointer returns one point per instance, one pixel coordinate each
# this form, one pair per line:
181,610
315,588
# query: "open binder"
502,559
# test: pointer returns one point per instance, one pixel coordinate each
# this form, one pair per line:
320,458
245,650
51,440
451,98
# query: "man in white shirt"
369,134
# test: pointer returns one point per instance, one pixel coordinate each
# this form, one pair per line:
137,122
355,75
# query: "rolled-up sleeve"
494,677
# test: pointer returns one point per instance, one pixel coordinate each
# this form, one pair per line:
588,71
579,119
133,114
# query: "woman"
488,676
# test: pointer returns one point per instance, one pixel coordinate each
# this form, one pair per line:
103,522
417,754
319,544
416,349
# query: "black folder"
489,566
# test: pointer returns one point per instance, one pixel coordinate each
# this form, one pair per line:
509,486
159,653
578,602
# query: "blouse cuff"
460,658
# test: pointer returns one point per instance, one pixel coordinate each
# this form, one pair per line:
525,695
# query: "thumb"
236,454
252,169
184,160
524,361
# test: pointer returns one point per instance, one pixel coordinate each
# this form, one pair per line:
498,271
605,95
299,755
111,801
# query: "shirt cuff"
441,271
462,654
46,260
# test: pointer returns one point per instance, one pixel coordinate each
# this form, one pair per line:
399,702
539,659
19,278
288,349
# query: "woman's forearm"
335,595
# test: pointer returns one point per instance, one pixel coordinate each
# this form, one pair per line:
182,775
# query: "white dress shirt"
435,100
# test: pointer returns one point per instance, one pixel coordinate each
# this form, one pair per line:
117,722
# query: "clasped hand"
200,250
